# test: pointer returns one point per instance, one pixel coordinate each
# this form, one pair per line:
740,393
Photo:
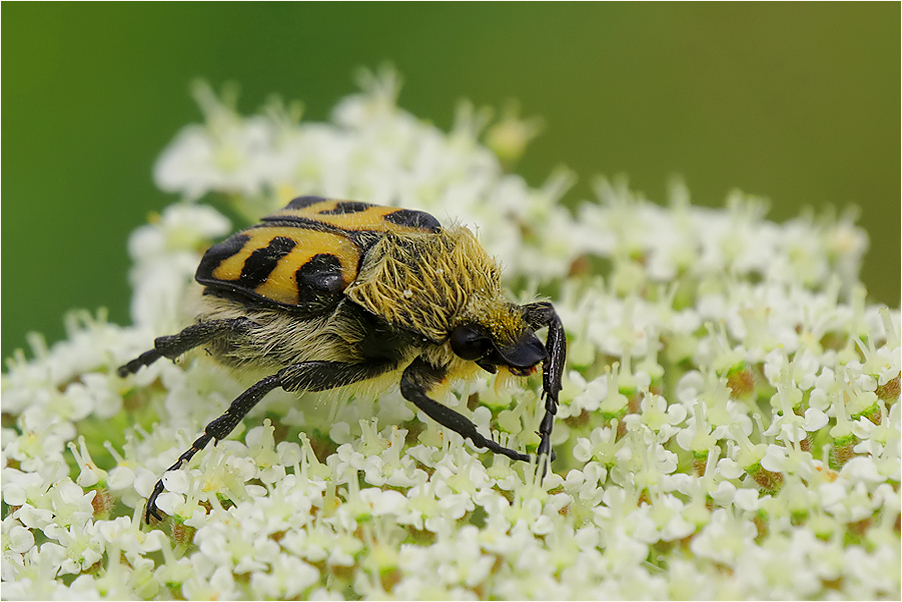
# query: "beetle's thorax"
429,283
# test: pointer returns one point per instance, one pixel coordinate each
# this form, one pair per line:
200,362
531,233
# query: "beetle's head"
474,342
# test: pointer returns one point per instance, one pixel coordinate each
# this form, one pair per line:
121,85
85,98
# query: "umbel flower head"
729,423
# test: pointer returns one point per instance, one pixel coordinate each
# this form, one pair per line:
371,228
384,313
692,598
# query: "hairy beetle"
328,293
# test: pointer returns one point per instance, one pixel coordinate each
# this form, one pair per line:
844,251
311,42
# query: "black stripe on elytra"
302,202
262,262
218,253
362,238
414,219
320,276
345,207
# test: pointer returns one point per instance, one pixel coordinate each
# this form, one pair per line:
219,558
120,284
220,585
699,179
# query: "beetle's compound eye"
470,341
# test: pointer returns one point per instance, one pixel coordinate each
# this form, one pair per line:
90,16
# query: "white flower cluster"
729,424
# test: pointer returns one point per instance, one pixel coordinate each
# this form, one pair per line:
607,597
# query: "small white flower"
657,415
862,469
90,474
590,395
600,446
724,539
790,459
289,578
16,538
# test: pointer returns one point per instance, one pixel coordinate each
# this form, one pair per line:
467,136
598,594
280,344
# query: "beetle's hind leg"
175,345
217,429
307,376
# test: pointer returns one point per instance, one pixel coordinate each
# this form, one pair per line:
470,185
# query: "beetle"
330,293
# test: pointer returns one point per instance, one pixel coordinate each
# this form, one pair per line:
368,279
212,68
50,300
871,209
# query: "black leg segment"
308,376
539,315
421,376
322,376
175,345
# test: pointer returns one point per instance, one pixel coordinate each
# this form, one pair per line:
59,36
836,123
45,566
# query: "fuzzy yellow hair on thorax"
431,282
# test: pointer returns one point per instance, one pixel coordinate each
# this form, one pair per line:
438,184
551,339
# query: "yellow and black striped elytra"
304,256
326,294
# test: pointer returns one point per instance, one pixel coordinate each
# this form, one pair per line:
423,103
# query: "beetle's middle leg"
421,376
307,376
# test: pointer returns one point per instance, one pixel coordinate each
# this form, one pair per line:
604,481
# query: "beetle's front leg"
539,315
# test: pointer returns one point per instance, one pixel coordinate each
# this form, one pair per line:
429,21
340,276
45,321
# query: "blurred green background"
796,102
